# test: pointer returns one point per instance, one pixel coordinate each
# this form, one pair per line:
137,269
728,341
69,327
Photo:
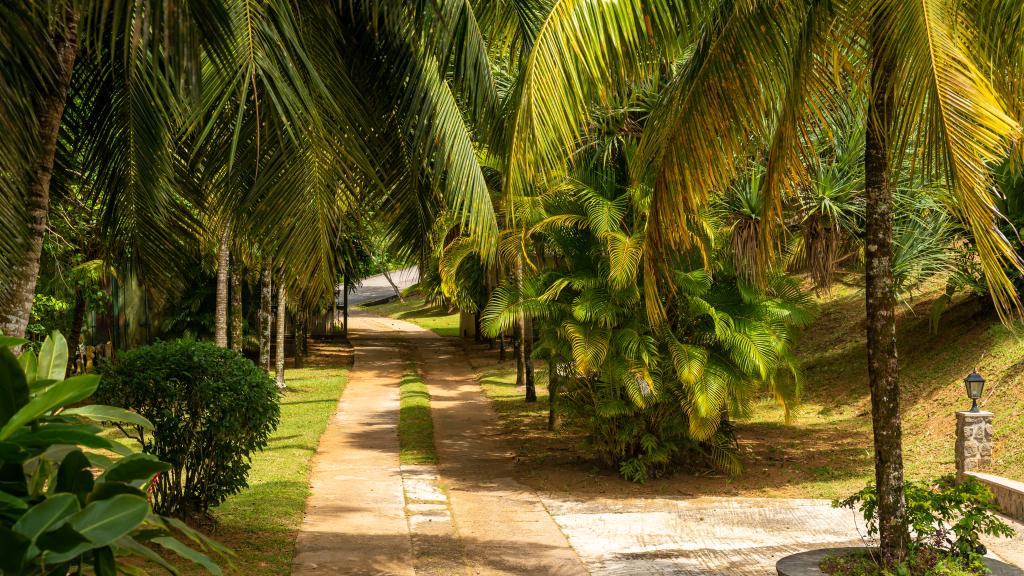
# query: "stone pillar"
973,441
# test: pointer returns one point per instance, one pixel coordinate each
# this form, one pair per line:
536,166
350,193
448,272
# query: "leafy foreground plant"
211,407
70,498
947,520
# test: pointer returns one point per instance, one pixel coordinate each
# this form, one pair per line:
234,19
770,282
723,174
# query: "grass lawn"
434,318
260,523
415,426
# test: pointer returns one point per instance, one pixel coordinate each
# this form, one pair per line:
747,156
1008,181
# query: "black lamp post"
975,385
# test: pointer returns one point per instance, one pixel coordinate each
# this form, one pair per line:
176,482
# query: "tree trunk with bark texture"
531,386
75,336
300,338
553,382
282,299
220,319
344,306
266,320
517,349
236,307
14,314
883,373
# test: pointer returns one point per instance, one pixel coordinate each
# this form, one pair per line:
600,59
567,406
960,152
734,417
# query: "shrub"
944,515
63,504
211,409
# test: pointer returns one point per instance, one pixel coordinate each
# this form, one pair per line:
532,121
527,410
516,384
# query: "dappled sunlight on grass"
415,425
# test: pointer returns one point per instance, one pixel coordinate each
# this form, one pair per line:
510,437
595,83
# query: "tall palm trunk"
75,336
220,319
553,382
883,374
344,305
49,109
282,299
266,295
236,307
517,351
300,338
527,351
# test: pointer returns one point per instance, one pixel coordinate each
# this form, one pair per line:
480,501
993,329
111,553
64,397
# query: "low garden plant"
211,409
71,500
947,520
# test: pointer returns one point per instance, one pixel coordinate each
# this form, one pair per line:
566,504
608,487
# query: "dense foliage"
69,496
947,519
654,361
211,409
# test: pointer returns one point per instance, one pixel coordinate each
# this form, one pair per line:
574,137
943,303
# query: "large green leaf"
53,357
60,394
74,475
104,521
12,551
29,366
46,515
135,467
13,387
184,551
10,502
136,548
107,490
103,562
62,544
9,341
100,413
50,434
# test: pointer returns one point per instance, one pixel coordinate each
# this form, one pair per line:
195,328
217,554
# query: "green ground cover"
415,426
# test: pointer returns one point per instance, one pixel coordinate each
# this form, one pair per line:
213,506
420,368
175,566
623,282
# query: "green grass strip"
415,427
260,523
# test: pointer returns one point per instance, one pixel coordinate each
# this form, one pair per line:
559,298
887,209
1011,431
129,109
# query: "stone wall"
973,441
1009,494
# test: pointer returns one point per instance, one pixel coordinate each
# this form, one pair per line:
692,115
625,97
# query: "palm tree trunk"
300,338
883,373
553,382
236,307
527,346
344,305
517,349
266,322
14,313
220,329
75,336
282,299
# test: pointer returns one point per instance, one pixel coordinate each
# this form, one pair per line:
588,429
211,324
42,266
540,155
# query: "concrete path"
369,515
468,515
355,520
504,526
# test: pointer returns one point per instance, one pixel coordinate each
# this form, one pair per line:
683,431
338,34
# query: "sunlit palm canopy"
760,75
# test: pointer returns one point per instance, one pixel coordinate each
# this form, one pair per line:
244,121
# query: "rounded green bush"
211,409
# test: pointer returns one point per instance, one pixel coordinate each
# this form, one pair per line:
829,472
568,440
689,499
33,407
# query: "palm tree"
937,75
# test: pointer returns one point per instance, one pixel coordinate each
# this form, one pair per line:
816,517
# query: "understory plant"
655,358
73,501
947,520
211,408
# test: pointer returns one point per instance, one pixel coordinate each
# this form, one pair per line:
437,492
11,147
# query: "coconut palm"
941,78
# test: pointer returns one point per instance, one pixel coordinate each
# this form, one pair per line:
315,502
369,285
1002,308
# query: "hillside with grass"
824,451
933,363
